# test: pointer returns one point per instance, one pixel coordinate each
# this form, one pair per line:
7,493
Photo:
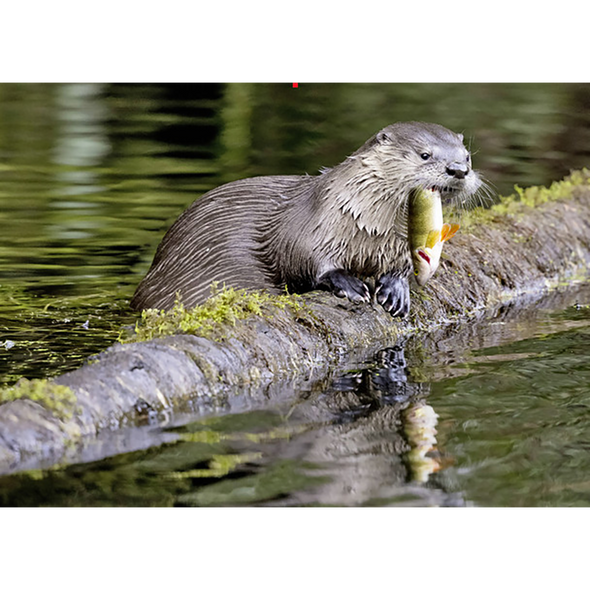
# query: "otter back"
217,238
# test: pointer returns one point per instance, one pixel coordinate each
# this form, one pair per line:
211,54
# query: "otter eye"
425,156
468,158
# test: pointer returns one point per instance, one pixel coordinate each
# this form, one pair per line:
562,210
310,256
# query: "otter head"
426,156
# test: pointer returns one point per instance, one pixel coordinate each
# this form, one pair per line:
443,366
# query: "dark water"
502,425
90,177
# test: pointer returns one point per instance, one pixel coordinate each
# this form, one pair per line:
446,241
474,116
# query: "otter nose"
457,170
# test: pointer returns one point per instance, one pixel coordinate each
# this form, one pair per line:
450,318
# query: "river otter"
333,231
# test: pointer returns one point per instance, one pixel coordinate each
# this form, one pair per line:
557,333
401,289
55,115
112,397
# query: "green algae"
58,399
524,198
224,307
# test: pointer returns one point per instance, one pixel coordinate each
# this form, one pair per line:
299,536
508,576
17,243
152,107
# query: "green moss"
529,197
224,307
537,195
58,399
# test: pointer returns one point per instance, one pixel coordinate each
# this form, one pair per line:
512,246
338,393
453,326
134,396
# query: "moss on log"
237,349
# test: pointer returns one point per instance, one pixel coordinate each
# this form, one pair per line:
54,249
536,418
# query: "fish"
427,232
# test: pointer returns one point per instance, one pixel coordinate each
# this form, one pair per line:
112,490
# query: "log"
268,348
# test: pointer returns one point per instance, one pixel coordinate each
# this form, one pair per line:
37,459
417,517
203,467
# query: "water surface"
502,425
91,175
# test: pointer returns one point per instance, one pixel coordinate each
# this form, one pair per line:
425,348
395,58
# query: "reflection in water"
367,445
91,176
420,429
512,430
82,135
361,440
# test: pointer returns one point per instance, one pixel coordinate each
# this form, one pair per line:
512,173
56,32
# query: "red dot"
295,84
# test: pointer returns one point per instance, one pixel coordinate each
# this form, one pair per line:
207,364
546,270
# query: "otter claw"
393,294
343,284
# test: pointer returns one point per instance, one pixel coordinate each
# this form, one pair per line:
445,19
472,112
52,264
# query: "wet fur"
332,231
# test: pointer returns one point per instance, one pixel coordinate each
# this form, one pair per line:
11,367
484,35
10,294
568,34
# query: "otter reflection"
377,439
364,438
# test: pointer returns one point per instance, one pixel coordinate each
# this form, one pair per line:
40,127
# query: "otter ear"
382,137
460,136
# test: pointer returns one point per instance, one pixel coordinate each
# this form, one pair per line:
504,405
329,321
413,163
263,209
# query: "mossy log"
247,349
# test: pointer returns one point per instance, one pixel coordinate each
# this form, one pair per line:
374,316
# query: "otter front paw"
393,293
343,284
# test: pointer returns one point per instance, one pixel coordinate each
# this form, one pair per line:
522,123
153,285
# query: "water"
96,173
503,425
90,177
515,418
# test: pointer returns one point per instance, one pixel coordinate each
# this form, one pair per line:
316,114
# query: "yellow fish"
427,233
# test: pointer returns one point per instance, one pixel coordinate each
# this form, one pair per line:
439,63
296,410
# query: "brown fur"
272,231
